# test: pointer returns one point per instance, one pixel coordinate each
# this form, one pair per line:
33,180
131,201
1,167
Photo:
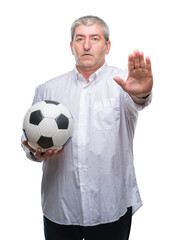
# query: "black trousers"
118,230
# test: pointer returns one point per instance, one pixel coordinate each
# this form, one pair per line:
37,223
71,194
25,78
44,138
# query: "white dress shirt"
93,180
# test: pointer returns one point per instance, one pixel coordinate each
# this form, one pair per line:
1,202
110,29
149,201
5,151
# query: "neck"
87,72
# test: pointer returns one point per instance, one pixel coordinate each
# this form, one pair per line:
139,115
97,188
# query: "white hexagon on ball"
48,127
32,132
65,111
50,111
61,137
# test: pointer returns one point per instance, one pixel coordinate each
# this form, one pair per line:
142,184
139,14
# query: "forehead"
89,30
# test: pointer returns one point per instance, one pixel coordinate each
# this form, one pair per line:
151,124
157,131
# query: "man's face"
89,47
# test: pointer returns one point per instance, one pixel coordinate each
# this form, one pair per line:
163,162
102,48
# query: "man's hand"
140,80
38,153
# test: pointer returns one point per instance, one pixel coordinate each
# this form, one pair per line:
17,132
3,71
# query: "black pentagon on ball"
36,117
62,121
45,142
52,102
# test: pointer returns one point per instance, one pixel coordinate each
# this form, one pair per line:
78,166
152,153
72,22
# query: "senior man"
89,190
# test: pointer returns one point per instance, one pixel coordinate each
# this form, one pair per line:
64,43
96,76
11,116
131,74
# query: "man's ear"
108,46
71,46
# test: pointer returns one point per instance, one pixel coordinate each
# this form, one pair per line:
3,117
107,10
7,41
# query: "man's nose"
87,45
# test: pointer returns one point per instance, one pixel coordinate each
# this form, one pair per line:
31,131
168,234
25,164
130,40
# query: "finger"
142,62
131,62
148,63
39,153
120,81
47,154
53,154
136,59
25,143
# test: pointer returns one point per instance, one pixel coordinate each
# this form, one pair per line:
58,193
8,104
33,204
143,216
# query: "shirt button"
84,188
83,167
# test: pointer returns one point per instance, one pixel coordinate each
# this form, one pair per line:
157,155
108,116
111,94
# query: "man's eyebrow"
79,35
92,35
95,35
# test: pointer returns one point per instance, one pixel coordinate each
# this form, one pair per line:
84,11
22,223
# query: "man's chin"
87,64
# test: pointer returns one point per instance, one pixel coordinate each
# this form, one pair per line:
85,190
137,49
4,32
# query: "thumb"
120,81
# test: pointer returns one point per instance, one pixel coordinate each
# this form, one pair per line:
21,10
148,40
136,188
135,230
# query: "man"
89,189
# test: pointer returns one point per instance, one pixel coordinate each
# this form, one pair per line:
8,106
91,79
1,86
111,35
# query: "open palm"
140,79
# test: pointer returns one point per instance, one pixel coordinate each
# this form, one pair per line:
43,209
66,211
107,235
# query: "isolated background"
34,47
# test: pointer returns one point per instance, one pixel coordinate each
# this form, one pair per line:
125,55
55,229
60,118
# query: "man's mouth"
86,54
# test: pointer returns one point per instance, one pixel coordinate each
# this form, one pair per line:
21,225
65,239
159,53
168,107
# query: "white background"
35,36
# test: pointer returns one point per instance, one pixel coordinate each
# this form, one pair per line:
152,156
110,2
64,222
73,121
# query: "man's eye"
79,39
95,39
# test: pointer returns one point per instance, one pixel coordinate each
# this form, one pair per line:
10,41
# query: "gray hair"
90,20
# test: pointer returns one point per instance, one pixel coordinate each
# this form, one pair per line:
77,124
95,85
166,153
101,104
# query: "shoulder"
53,87
56,83
62,79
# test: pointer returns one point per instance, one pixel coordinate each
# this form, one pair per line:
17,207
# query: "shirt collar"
93,77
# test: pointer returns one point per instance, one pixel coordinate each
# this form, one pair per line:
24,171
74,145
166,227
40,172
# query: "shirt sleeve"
37,97
132,106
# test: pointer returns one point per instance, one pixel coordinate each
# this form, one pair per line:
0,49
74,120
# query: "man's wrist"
141,99
144,97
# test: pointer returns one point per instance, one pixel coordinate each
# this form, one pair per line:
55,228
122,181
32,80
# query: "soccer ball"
48,125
